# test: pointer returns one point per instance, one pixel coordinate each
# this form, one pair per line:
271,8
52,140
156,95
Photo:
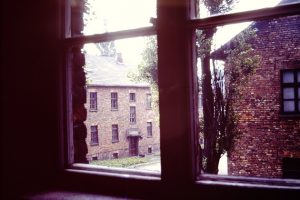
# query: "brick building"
121,120
269,106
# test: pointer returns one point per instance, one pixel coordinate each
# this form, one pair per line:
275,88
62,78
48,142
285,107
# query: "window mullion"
253,15
175,90
80,40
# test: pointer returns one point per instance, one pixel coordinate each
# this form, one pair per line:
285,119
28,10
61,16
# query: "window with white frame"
94,135
114,100
115,133
149,129
93,100
148,101
290,85
132,114
132,97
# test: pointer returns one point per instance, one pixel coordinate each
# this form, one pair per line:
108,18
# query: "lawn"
121,162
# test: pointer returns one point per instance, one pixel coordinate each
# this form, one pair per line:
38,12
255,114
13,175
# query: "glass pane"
288,77
289,106
212,7
100,16
116,70
288,93
238,85
298,76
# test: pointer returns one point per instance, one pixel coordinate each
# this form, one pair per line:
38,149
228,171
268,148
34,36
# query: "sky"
115,15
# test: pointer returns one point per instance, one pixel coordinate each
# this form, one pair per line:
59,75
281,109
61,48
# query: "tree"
210,107
147,71
219,121
225,87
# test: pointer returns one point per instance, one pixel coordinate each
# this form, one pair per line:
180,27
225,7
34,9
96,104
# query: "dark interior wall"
29,114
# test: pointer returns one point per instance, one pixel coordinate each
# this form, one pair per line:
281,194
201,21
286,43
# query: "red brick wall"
267,136
104,117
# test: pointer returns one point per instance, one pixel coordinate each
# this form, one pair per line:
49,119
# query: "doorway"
133,146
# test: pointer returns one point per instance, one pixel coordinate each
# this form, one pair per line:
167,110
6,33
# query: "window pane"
288,93
237,83
298,76
212,7
288,77
116,71
289,106
100,16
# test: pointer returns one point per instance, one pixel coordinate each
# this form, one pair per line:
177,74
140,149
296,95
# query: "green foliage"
121,162
241,62
147,71
218,6
107,48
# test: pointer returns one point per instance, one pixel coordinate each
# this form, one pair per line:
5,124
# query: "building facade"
121,119
268,109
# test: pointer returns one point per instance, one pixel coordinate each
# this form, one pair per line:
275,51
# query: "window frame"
149,129
132,114
93,101
115,133
296,86
132,94
148,101
114,100
94,134
184,149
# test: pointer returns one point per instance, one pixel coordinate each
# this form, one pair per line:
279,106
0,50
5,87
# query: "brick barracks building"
121,120
269,107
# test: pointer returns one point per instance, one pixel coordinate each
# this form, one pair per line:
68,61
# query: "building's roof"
219,54
106,71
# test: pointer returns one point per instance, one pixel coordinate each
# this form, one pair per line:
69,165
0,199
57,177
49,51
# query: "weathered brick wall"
77,61
267,137
104,117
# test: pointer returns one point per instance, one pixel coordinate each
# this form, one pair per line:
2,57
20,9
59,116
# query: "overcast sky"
114,15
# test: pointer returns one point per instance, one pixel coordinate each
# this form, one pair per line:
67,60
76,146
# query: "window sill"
113,172
93,110
248,182
94,144
114,109
289,116
116,141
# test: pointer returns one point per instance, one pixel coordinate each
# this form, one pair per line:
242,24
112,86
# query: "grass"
121,162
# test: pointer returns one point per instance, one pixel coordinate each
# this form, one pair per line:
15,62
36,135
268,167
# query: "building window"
93,100
115,155
94,135
149,129
114,101
149,150
94,158
115,133
290,82
148,101
132,97
132,116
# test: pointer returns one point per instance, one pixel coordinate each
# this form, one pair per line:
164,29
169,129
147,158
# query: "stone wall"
267,136
104,117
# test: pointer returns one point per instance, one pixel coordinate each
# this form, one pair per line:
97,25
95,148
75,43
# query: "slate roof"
106,71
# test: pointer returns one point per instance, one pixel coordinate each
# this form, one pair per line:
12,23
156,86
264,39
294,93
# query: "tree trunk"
210,125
